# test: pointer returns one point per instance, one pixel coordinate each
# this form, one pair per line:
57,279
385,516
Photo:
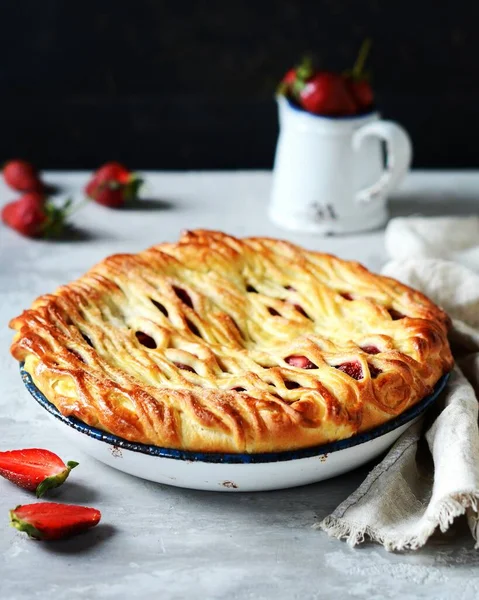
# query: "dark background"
190,85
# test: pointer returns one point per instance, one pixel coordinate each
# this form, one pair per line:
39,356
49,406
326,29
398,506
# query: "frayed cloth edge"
445,512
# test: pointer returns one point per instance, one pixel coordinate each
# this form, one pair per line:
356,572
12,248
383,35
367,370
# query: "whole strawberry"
113,185
113,170
295,78
286,84
363,94
326,94
22,176
53,521
320,93
33,216
358,81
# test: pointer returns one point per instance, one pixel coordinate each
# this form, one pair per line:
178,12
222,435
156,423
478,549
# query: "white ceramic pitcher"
329,174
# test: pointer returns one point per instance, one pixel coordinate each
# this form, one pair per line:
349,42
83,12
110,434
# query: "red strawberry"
296,77
26,215
113,170
22,176
327,94
32,216
357,81
52,521
113,185
320,93
35,469
110,194
290,76
286,85
362,93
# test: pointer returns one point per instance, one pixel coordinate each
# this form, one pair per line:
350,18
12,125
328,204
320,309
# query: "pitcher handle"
398,157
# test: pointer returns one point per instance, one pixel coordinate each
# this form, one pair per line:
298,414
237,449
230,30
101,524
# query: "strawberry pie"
219,344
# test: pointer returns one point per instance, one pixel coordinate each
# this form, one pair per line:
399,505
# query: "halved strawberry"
52,521
35,469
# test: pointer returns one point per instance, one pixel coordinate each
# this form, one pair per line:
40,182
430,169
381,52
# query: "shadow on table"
51,189
75,493
84,542
300,506
147,204
73,233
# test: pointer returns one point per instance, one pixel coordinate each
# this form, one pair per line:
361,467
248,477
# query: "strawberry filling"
184,367
353,369
183,296
238,389
301,310
374,371
251,289
192,327
291,385
87,339
160,307
346,295
301,362
146,340
273,311
370,349
395,314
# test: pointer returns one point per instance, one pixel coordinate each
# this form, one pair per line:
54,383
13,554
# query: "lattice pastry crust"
233,345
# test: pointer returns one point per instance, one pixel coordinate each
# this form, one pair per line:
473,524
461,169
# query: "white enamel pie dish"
233,472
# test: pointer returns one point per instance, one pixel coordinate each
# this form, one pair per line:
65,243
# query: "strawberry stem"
304,72
132,188
55,480
57,216
357,70
69,208
21,525
305,69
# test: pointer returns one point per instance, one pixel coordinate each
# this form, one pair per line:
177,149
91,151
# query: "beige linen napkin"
431,475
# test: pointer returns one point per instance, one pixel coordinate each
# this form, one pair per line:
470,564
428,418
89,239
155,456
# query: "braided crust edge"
82,347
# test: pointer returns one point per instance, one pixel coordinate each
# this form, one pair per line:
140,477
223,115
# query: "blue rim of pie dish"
230,458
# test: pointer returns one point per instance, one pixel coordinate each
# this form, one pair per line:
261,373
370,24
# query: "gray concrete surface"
161,542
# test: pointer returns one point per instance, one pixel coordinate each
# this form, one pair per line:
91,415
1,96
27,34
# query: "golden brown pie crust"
158,347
